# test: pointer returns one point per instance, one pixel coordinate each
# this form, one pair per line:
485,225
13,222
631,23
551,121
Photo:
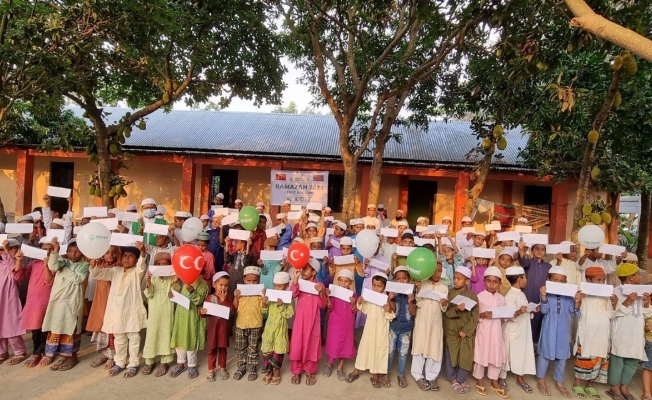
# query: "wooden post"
188,185
461,196
364,190
205,191
24,182
559,212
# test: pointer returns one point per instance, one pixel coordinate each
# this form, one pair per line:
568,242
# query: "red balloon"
298,255
188,263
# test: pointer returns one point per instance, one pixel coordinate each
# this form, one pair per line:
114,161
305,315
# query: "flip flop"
593,393
375,383
457,388
402,382
276,381
99,361
350,378
481,390
629,396
162,370
526,388
192,373
210,376
434,386
614,395
579,392
115,370
45,361
500,392
148,369
109,364
564,392
131,372
423,384
224,375
57,364
15,360
252,376
296,379
178,370
266,380
384,381
341,375
69,364
327,370
543,390
310,380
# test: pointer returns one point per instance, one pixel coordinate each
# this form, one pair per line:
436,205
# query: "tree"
153,53
290,109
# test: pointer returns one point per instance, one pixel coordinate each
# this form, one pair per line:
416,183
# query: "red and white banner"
300,187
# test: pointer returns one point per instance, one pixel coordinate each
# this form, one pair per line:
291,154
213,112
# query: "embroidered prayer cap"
514,271
447,218
204,237
281,216
595,271
341,224
148,200
204,217
251,270
287,202
380,275
314,264
464,271
559,270
163,255
271,242
219,275
327,209
182,214
132,208
401,268
281,278
316,240
371,205
626,269
408,235
381,206
467,219
493,271
13,243
480,233
346,241
345,273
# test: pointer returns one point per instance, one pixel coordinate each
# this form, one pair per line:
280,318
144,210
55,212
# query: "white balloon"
367,243
591,236
191,228
94,240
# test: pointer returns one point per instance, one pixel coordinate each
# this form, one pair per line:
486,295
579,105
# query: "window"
335,190
62,175
538,197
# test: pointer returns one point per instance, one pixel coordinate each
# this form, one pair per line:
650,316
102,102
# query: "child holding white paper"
373,351
248,326
450,258
505,260
162,243
407,240
369,271
569,262
346,247
555,330
10,327
305,343
218,329
275,337
237,261
537,274
478,267
269,268
400,329
459,331
339,338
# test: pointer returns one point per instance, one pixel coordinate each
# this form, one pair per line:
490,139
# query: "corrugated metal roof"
302,135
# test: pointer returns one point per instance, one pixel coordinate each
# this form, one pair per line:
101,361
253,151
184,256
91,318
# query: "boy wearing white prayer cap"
275,337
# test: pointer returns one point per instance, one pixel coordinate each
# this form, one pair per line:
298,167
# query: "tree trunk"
612,228
644,229
3,216
102,136
376,172
480,179
350,187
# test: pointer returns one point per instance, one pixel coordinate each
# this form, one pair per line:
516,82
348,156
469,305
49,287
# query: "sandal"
375,383
99,361
162,370
115,370
402,382
57,365
434,386
148,369
267,379
45,361
15,360
109,364
131,372
350,378
593,393
629,396
500,392
423,384
327,370
224,375
252,376
4,357
543,390
33,361
563,391
69,364
210,376
384,381
457,388
526,388
579,392
310,380
177,370
239,374
341,375
193,372
296,379
481,390
614,395
503,385
276,380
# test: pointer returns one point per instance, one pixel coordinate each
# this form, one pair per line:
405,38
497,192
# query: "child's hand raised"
148,276
319,287
542,292
394,257
279,302
325,260
391,295
203,311
140,246
559,256
170,294
93,263
236,293
410,297
417,284
630,299
19,256
264,299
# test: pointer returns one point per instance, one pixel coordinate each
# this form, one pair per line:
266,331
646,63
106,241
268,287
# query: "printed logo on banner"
281,177
318,178
299,187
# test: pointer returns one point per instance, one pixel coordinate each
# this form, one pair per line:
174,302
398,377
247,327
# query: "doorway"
421,200
62,175
225,182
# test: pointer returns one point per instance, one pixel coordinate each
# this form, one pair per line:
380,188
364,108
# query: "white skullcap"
298,240
182,214
421,219
401,268
12,243
480,233
251,270
148,200
493,271
204,217
132,207
631,257
403,223
410,231
314,264
260,204
341,224
467,219
220,196
220,274
506,253
447,218
161,210
345,273
399,211
280,215
558,270
371,205
522,219
316,240
381,206
514,271
346,241
238,201
311,225
281,278
259,208
380,275
356,221
58,221
327,209
464,271
287,202
26,218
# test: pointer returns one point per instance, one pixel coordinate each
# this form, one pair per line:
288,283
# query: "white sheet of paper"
229,219
161,270
638,289
341,293
420,228
296,207
239,234
318,254
512,250
612,249
99,212
396,287
55,191
484,253
60,234
446,241
511,235
329,218
535,238
335,243
274,295
284,250
110,223
438,228
344,260
468,303
128,217
558,248
76,230
33,252
271,232
251,290
307,286
156,229
531,307
314,206
69,214
561,289
124,239
19,228
523,228
404,250
597,289
224,212
234,211
492,227
63,249
423,242
330,231
36,215
430,294
180,299
389,232
468,229
503,312
379,299
379,264
268,255
216,206
217,310
3,237
294,215
313,218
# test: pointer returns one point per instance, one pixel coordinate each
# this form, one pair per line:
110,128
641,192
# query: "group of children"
446,322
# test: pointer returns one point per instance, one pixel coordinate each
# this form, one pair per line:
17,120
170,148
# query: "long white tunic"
374,344
593,326
628,327
428,333
517,333
125,312
66,306
574,274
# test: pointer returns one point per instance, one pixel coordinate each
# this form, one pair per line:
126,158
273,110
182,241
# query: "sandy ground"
84,382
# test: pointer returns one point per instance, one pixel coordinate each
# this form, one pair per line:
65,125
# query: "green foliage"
290,109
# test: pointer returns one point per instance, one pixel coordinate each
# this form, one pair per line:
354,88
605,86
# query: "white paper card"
224,212
19,228
33,252
468,303
296,207
251,290
60,234
99,212
318,254
307,286
531,307
335,243
512,250
329,218
535,238
438,228
229,219
468,229
612,249
110,223
274,295
492,227
313,218
269,255
271,232
423,242
404,250
55,191
344,260
638,289
597,289
314,206
234,211
484,253
180,299
217,310
156,229
3,237
330,231
402,288
561,289
294,215
216,206
558,248
161,270
511,235
63,249
36,215
379,299
430,294
389,232
239,234
124,239
503,312
523,228
341,293
420,228
128,217
379,264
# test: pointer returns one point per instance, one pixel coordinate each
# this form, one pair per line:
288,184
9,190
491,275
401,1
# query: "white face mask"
149,213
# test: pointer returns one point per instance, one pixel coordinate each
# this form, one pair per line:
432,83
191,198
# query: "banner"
300,187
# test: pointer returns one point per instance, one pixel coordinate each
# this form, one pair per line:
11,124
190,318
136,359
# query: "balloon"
298,255
421,264
367,243
248,218
94,240
191,228
188,262
591,236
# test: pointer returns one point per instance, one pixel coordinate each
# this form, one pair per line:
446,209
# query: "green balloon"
421,264
248,218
